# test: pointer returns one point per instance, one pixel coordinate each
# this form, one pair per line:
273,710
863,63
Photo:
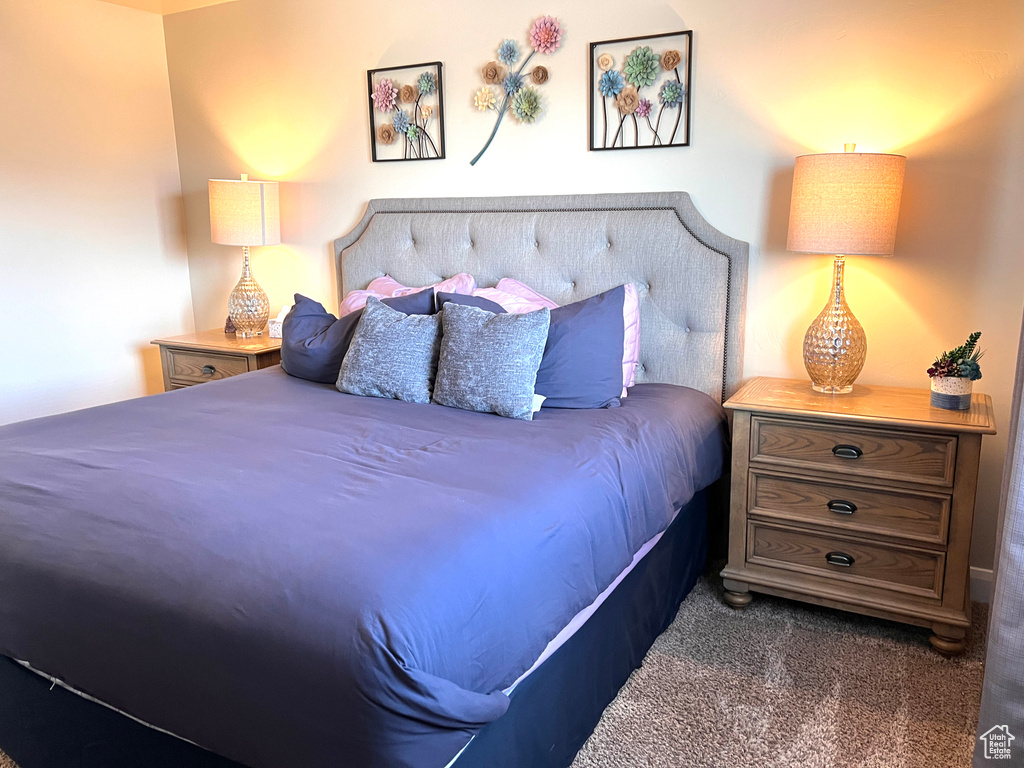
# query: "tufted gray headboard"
691,277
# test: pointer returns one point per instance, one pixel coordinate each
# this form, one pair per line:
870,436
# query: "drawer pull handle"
839,558
841,507
209,370
847,452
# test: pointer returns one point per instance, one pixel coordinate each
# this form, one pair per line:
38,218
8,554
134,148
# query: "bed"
290,576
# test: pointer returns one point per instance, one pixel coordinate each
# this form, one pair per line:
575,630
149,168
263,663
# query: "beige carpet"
782,685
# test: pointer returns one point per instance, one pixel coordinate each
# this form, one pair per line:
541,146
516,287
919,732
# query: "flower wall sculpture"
522,100
526,105
484,99
642,86
406,113
384,94
508,53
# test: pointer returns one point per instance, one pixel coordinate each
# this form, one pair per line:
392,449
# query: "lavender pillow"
582,365
314,342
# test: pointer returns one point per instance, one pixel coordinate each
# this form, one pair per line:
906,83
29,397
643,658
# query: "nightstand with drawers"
862,502
210,355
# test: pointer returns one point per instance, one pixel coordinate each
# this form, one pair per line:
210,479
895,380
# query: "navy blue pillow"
419,303
468,301
582,364
314,342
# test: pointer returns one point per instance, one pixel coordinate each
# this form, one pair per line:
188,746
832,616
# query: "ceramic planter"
952,393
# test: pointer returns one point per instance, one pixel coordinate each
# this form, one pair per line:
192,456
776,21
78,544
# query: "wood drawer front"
920,517
901,569
188,367
885,454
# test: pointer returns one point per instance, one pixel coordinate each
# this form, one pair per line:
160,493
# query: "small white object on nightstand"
277,323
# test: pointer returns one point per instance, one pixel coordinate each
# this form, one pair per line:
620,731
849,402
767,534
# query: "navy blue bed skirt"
556,708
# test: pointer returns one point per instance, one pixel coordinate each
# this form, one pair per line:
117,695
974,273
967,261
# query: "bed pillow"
515,296
468,301
385,287
462,283
314,342
631,336
489,361
582,364
518,298
392,354
524,292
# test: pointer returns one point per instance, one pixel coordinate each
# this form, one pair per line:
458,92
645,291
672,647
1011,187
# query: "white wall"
278,89
92,257
167,6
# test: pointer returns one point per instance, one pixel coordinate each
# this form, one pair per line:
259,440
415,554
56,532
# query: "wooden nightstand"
208,355
862,502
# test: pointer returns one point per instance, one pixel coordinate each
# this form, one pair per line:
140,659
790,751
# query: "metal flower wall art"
406,112
509,86
640,92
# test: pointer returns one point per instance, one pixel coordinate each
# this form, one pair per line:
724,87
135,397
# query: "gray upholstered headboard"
691,277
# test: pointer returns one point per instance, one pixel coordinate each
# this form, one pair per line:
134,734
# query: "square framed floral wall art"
406,112
640,92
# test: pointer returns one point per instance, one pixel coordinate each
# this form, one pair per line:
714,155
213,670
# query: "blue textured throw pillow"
489,361
392,355
582,365
440,298
314,342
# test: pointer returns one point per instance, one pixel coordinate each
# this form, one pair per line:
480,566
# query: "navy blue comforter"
295,577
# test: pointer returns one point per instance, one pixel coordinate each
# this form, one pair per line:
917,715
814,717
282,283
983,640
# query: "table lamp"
843,204
245,213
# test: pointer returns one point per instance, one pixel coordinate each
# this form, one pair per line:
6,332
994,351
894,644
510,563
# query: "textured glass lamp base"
835,346
248,305
832,390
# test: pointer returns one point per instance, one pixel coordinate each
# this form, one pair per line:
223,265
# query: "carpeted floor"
779,684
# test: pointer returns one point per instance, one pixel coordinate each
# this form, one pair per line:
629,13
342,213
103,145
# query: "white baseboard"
981,584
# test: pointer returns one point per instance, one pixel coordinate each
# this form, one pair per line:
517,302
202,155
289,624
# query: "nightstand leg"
947,640
737,594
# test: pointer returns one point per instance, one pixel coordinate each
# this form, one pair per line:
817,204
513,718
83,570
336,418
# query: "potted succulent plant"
953,375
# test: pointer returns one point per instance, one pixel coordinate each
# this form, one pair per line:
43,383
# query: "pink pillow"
630,337
356,300
517,298
462,283
516,305
525,292
386,286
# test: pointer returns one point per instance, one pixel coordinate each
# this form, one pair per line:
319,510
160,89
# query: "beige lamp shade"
244,212
846,203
